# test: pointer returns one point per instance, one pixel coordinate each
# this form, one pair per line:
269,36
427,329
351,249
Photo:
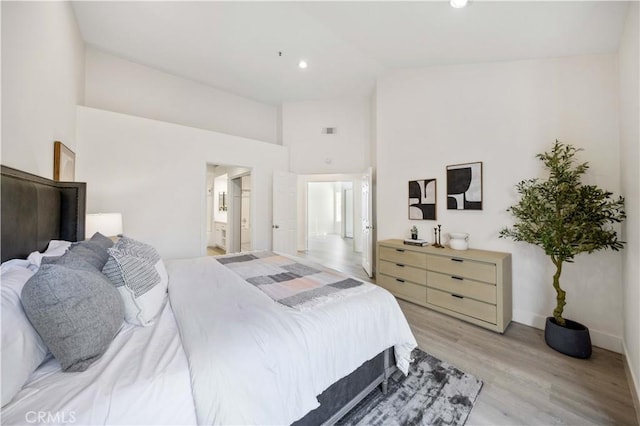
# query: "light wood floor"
337,253
525,381
215,251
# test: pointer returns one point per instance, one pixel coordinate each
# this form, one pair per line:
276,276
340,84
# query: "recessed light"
302,64
458,4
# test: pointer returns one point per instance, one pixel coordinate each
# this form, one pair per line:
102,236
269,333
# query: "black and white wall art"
422,199
464,186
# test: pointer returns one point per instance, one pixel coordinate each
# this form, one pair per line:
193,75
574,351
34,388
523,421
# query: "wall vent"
330,130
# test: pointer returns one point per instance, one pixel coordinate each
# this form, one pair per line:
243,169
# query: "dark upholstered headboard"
36,210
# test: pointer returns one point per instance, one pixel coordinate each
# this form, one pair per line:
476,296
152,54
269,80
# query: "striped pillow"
137,271
140,249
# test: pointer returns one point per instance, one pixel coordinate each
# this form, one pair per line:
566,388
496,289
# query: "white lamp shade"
458,4
108,224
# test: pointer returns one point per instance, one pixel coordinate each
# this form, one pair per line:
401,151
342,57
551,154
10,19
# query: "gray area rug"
434,393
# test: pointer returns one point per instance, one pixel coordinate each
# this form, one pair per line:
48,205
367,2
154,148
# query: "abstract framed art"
464,186
422,199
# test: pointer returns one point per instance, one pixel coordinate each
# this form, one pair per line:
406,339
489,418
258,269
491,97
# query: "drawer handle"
457,296
399,280
453,259
400,265
400,250
453,277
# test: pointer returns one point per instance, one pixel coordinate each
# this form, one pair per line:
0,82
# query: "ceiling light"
303,64
458,4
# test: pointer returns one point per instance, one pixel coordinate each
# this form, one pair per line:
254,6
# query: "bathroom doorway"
229,221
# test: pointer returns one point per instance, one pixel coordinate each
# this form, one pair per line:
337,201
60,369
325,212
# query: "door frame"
368,234
234,217
233,171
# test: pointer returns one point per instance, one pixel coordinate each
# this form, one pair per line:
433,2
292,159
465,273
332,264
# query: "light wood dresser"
473,285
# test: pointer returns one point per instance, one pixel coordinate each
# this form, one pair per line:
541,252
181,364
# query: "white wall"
346,228
630,158
42,82
321,204
115,84
155,174
312,152
503,114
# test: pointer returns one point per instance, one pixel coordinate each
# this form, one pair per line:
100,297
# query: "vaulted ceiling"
253,48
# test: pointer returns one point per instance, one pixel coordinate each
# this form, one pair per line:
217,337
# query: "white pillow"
22,348
55,248
140,276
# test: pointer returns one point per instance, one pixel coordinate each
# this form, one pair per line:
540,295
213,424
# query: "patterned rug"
434,393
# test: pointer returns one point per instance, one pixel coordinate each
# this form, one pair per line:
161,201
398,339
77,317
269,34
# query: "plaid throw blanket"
289,282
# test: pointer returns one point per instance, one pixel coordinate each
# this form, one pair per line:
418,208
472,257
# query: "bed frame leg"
385,380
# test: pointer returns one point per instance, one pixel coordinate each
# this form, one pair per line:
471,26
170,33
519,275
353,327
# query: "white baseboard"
529,318
634,385
598,338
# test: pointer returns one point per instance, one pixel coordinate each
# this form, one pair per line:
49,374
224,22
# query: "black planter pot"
572,340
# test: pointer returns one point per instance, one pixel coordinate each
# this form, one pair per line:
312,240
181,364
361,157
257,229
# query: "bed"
219,352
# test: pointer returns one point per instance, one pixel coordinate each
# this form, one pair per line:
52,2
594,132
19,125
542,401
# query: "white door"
285,212
367,222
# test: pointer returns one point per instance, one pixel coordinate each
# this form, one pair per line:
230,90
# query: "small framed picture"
464,186
64,163
422,199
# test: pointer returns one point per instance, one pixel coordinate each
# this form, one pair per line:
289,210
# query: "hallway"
337,253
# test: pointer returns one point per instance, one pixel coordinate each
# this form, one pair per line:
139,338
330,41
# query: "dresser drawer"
462,286
410,291
463,305
402,256
479,271
409,273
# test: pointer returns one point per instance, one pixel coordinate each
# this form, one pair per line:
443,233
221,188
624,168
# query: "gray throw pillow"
101,240
93,252
78,257
76,311
99,249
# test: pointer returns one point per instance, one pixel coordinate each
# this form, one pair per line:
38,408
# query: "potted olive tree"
565,217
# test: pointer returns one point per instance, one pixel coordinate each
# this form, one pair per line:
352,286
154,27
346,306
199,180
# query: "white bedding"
143,378
254,361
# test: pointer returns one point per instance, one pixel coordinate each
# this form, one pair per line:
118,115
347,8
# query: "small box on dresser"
472,285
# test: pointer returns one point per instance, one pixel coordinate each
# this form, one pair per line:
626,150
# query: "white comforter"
142,379
254,361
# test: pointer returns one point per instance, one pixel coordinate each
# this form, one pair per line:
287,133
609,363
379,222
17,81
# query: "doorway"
330,210
330,214
228,203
